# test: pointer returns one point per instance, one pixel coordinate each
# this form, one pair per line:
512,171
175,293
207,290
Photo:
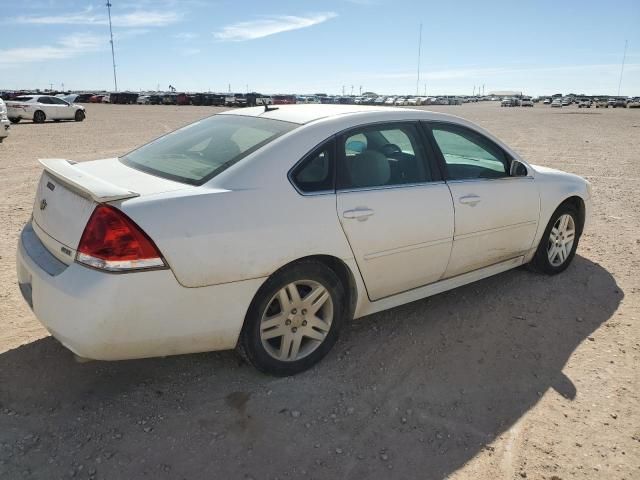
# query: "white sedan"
266,229
41,108
4,121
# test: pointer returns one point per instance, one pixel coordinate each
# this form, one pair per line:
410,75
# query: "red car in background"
284,99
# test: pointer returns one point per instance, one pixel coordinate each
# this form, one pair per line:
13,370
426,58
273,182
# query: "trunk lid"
68,193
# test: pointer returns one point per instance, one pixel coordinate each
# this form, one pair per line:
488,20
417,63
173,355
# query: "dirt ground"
517,376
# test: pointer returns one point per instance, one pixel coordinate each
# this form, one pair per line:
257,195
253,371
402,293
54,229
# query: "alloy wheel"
297,320
561,240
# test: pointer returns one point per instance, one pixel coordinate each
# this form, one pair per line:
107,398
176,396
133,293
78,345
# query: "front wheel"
294,319
15,120
559,242
79,116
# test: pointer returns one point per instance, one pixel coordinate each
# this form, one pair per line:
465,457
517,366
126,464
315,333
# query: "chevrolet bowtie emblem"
43,204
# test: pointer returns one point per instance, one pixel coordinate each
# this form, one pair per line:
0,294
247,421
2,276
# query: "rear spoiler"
86,184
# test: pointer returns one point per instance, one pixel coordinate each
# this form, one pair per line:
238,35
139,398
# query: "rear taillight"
112,241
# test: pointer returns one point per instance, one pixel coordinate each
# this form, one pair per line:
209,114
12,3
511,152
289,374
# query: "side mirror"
518,169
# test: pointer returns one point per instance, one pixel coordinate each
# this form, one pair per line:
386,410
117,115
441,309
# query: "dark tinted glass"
384,155
200,151
315,172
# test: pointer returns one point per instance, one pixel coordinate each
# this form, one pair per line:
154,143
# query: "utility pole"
419,53
360,89
113,53
624,57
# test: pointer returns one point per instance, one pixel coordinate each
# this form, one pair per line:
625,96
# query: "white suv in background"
4,121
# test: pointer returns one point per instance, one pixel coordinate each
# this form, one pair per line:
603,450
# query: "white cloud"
68,47
141,18
484,72
270,25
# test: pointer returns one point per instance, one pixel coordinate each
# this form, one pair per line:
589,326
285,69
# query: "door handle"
359,213
471,200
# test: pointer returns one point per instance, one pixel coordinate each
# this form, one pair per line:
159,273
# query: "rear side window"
382,155
468,155
315,173
45,100
200,151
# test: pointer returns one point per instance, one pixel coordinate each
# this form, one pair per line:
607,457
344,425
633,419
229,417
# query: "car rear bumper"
106,316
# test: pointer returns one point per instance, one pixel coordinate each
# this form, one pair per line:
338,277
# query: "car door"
46,105
62,109
393,206
496,211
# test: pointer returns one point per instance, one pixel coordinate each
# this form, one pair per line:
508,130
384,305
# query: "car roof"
307,113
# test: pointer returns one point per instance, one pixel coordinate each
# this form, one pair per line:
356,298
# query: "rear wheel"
294,319
559,241
39,117
15,120
79,116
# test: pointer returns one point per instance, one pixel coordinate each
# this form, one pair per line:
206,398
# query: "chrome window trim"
389,187
467,180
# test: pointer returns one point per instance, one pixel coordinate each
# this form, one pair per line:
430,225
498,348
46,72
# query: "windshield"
200,151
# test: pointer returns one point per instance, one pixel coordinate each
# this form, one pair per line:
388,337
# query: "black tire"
250,345
540,262
39,116
15,120
79,116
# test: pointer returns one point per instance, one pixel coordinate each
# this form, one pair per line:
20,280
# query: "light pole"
113,54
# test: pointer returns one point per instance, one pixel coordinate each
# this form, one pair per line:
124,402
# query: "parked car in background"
634,103
96,98
611,102
526,102
123,98
166,250
602,103
557,103
547,101
143,100
619,103
84,98
507,102
183,99
284,99
584,103
412,101
40,108
5,125
400,101
566,101
390,101
380,100
106,98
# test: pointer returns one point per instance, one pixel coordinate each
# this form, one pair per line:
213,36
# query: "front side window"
469,155
385,155
200,151
315,173
58,101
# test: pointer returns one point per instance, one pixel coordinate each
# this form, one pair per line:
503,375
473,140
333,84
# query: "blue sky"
305,46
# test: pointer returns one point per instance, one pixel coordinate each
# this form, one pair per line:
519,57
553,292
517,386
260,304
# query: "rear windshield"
200,151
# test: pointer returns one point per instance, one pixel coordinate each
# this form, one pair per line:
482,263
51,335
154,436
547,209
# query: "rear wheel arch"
342,271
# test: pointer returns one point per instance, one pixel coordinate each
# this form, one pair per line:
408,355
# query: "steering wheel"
389,149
